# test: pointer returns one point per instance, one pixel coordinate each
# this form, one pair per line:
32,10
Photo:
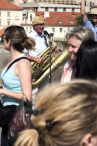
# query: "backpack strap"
16,61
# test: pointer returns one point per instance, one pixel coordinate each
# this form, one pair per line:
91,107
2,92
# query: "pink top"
67,72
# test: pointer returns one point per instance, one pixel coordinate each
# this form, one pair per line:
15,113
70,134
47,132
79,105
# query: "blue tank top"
10,82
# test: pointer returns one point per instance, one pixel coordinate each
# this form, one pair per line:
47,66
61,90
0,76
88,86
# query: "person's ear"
87,140
9,42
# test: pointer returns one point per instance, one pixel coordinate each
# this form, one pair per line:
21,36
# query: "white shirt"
40,44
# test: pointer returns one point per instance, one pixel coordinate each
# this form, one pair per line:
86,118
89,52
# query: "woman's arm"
23,71
83,14
25,75
14,95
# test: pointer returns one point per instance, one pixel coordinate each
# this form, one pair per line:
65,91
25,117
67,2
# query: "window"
73,9
46,9
36,9
55,9
24,1
53,29
30,28
61,29
0,13
31,17
11,1
90,4
8,14
64,9
73,15
8,22
60,21
71,21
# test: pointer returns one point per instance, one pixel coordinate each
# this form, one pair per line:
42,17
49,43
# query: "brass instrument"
40,72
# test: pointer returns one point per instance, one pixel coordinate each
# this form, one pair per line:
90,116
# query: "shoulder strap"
16,61
46,40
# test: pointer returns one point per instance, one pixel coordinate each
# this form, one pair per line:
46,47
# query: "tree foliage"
79,19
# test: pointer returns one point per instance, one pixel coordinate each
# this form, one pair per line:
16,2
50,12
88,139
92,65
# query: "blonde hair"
81,33
18,38
65,113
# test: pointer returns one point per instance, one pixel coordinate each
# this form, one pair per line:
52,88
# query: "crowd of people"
65,113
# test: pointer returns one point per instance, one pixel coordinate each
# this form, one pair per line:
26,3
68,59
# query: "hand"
39,60
57,50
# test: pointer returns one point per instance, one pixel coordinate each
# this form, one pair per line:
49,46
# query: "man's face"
73,47
39,28
94,18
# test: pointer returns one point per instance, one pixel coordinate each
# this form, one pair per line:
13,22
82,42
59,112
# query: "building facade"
41,6
88,4
9,14
48,1
55,5
55,22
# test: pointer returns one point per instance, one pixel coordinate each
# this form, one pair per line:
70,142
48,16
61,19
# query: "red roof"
60,18
2,31
39,13
7,5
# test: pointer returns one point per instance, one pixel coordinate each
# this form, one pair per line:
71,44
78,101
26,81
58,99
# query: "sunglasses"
94,16
39,24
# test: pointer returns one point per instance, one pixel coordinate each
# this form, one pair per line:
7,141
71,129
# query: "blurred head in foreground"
65,115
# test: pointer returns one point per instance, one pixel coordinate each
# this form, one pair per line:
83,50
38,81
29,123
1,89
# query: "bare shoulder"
22,67
23,64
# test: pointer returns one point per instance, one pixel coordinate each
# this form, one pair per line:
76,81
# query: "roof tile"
2,31
67,18
7,5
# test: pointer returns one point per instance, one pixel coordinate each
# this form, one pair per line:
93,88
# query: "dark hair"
18,38
86,61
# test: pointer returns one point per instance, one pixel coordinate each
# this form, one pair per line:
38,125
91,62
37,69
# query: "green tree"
78,20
